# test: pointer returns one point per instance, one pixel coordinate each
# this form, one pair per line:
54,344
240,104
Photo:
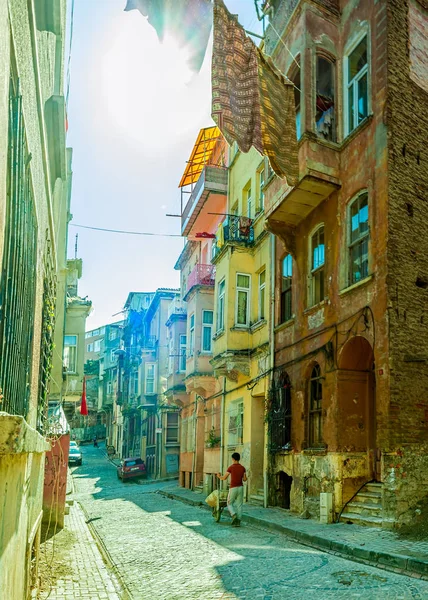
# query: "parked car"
131,468
73,444
74,455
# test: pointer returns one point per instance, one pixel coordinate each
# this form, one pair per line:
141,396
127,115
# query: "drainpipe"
222,421
271,362
196,442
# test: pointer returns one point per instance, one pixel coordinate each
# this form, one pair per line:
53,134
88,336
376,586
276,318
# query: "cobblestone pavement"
167,550
85,575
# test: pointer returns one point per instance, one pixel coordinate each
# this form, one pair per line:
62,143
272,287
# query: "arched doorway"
283,482
356,399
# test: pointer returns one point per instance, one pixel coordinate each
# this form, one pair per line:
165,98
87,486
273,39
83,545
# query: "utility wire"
127,232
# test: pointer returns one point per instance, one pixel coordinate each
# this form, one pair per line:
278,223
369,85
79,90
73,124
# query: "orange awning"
201,154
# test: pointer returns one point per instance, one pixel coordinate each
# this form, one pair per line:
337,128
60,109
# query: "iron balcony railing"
201,275
177,307
236,229
148,342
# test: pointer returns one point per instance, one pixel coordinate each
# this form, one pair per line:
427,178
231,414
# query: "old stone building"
348,403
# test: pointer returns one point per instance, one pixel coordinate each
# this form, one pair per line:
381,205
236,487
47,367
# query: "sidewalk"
378,547
72,567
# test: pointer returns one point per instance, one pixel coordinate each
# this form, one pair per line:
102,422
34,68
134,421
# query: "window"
324,110
220,305
112,334
109,387
317,266
88,334
207,330
280,412
286,289
136,387
356,96
242,317
183,344
236,424
70,353
97,345
315,408
171,356
172,428
90,347
95,332
262,295
295,78
113,355
261,193
249,202
150,383
192,335
359,239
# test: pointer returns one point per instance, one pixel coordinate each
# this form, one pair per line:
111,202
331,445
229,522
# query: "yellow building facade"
241,350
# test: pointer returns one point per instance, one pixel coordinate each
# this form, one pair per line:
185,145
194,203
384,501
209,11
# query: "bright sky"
134,112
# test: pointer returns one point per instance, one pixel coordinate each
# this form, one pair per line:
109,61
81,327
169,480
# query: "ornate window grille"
280,412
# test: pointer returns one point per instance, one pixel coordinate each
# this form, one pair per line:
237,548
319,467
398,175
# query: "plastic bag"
212,499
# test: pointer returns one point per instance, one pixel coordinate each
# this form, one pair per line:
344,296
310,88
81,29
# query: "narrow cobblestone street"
166,550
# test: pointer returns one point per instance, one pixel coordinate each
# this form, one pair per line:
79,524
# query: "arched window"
317,253
286,288
325,117
315,408
359,239
280,412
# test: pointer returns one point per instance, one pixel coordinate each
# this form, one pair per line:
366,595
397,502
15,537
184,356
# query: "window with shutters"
242,312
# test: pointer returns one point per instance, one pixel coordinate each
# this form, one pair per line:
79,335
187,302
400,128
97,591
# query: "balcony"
212,180
236,231
148,342
201,275
177,308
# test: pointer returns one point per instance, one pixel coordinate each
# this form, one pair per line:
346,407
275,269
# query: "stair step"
373,487
368,497
198,488
363,508
257,499
361,520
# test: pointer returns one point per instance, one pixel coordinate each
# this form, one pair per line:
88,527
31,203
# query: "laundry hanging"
252,102
189,22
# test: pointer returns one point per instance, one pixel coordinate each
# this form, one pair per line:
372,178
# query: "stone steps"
366,508
257,498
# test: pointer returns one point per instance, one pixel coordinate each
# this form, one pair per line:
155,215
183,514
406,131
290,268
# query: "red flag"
83,406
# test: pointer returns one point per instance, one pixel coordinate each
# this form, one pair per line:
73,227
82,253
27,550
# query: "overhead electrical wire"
126,232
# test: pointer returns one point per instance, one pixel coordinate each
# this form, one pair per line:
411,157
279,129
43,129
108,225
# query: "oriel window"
317,266
359,239
325,117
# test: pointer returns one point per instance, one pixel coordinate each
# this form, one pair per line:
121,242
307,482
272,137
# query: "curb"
397,563
124,592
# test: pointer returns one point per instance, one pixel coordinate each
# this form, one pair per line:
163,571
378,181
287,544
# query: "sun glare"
147,87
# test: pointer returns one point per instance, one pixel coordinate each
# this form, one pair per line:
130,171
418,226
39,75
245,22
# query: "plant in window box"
213,439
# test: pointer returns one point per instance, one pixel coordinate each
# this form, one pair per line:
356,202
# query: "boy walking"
235,497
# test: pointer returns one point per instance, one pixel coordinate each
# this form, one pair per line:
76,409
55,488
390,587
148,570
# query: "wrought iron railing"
177,307
201,275
148,342
236,229
18,278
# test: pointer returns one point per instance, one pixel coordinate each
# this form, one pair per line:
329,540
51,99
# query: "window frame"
354,82
146,378
109,389
247,291
204,327
283,317
262,296
113,356
174,427
66,359
183,351
221,295
321,54
315,415
351,244
192,334
314,272
260,180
